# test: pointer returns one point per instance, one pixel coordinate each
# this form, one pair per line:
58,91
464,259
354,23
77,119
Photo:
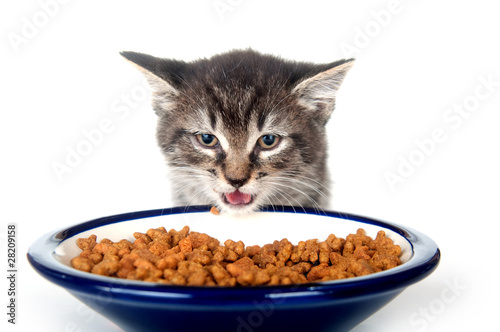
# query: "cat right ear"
318,93
163,75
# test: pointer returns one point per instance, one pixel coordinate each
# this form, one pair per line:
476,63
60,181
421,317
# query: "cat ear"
318,92
163,75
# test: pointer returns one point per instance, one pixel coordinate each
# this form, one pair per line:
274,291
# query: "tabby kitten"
242,130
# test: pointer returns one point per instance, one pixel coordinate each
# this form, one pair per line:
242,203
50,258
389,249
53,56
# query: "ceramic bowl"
322,306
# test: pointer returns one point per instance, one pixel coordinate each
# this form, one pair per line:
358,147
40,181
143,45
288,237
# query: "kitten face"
242,130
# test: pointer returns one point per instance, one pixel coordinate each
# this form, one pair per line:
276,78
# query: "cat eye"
207,140
268,141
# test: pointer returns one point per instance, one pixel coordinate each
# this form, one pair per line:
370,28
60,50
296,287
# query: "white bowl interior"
256,229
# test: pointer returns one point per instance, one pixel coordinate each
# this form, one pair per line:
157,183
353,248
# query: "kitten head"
242,129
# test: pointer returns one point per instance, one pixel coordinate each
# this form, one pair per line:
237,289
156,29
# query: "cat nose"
237,183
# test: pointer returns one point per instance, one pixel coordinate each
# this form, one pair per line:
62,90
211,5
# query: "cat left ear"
318,92
164,77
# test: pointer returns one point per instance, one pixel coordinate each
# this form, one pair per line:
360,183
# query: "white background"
418,62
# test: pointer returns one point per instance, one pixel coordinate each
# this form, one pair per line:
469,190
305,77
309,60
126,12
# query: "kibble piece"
95,257
385,246
158,248
105,248
87,244
284,250
247,273
222,253
335,243
214,210
107,267
203,257
311,251
127,265
82,264
302,267
221,276
319,272
169,262
178,235
360,268
324,252
185,245
141,240
267,255
237,247
339,261
251,251
297,252
174,277
145,270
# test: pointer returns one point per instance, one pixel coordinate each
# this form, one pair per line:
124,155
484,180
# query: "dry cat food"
196,259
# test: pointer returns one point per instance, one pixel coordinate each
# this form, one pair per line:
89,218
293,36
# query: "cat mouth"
237,198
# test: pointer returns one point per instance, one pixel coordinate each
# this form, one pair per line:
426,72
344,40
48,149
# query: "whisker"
291,180
298,174
314,203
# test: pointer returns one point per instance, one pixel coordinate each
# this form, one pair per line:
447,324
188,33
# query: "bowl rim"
424,260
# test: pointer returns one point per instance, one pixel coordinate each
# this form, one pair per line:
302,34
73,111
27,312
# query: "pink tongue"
237,197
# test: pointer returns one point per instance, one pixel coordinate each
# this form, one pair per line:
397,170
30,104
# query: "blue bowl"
323,306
